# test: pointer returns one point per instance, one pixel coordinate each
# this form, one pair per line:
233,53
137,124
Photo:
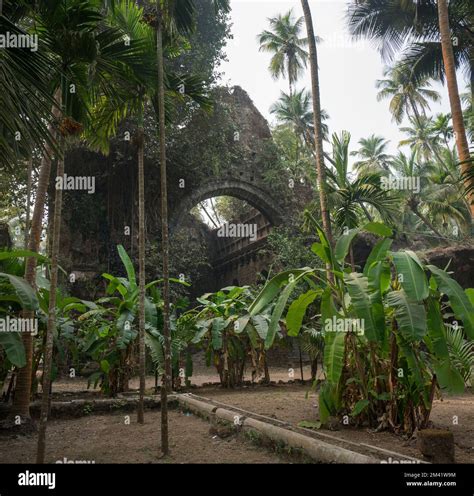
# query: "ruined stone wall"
226,152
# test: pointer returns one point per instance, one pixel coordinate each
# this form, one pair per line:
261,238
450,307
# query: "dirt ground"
108,439
293,403
202,375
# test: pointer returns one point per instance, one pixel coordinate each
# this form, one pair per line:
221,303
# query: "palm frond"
25,99
461,352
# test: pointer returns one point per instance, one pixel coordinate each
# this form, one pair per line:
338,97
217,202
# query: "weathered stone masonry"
240,157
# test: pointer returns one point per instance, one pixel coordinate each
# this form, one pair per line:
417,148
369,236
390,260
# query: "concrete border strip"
316,449
318,434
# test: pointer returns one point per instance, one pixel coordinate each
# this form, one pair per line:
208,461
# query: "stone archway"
233,259
229,152
255,196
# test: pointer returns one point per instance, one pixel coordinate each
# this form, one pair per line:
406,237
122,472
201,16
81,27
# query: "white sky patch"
348,70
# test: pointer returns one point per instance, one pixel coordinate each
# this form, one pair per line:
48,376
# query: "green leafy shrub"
387,348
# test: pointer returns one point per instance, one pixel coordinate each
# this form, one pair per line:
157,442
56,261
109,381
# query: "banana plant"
16,295
386,348
230,332
181,336
109,327
66,342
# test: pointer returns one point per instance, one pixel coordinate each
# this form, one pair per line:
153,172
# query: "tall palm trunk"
21,402
318,132
454,100
141,268
309,143
29,182
51,328
166,381
471,56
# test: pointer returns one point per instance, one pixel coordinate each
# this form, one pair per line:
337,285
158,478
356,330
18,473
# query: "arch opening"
241,190
223,239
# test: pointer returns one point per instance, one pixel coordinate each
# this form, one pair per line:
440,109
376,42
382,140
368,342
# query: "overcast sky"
348,70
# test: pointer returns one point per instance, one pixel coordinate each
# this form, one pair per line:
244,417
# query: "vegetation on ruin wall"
206,147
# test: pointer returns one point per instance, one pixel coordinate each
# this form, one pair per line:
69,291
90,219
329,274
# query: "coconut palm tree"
446,201
352,198
413,27
407,96
394,24
409,166
284,40
318,128
294,155
449,61
439,201
297,110
423,139
442,127
372,155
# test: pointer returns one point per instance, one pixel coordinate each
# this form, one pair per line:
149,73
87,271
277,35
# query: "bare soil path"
294,403
109,439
